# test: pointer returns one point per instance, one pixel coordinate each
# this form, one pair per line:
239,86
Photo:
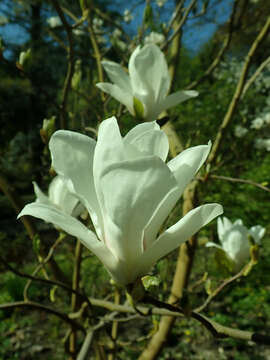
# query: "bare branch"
239,89
34,305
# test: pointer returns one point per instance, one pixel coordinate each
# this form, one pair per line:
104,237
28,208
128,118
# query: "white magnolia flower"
240,131
60,196
128,190
154,38
234,239
148,81
257,123
54,21
128,17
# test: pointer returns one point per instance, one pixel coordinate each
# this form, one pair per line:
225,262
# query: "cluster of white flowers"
240,131
97,24
154,38
128,17
235,240
117,41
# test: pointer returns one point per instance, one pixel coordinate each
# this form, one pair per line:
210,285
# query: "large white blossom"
148,82
234,239
128,190
60,196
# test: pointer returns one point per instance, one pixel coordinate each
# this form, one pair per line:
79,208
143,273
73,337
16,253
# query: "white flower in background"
60,196
128,17
78,32
116,40
234,239
154,38
128,190
54,21
147,85
240,131
267,119
267,144
257,123
97,24
262,144
160,3
259,143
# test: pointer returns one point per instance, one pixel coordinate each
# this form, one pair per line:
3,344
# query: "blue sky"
195,34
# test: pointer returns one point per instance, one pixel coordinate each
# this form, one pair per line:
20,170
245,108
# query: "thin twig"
221,52
238,91
71,61
255,75
45,281
243,181
219,289
34,305
180,25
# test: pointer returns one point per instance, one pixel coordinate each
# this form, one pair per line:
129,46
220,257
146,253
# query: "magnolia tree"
119,191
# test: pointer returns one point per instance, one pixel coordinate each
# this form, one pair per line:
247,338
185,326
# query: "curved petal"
212,244
187,163
72,226
72,157
41,197
117,75
223,225
60,195
139,130
129,193
152,142
148,71
257,232
180,232
119,94
176,98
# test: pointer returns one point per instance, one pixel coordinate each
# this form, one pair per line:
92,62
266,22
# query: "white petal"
117,75
41,197
176,98
181,231
60,195
72,156
71,225
149,72
152,142
212,244
130,193
140,129
187,163
119,94
257,232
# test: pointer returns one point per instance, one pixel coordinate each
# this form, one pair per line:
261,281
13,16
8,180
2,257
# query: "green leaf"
149,281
